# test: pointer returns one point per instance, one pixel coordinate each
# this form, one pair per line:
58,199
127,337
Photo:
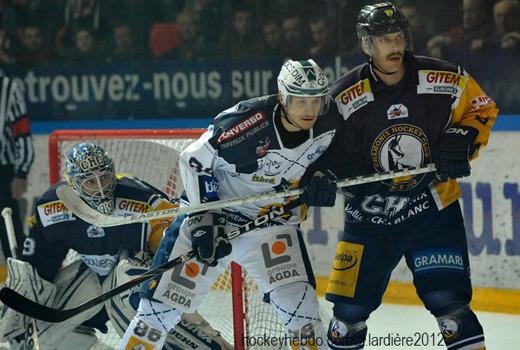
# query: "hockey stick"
32,309
31,332
74,203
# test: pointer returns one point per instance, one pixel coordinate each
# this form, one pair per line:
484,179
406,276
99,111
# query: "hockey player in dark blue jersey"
259,145
400,111
107,257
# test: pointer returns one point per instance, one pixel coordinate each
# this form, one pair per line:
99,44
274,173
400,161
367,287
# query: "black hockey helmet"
380,19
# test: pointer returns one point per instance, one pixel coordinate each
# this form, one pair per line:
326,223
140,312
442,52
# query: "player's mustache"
395,54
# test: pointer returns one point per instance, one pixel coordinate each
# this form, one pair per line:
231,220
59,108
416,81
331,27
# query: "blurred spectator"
506,15
32,47
80,14
194,45
6,42
295,34
33,11
124,47
472,35
418,25
86,49
241,39
210,13
8,25
138,15
322,31
272,37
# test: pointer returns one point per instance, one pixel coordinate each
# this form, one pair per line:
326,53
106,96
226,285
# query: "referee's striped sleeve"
17,139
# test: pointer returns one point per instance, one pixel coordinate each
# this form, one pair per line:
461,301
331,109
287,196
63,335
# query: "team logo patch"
54,212
449,327
261,150
398,147
126,206
438,260
441,82
397,112
279,263
241,127
345,269
271,165
263,179
95,232
355,97
100,264
481,101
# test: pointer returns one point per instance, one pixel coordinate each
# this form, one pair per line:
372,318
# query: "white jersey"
243,153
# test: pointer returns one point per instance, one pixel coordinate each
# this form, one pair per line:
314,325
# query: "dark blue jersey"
396,127
53,229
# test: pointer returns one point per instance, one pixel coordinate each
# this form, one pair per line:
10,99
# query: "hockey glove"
207,231
320,191
454,152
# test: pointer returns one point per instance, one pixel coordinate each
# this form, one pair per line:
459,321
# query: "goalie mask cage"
234,306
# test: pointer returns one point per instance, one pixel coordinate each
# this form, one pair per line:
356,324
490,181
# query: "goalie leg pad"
192,332
24,279
74,284
298,310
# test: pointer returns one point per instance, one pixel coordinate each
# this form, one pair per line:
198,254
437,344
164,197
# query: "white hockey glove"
207,231
24,279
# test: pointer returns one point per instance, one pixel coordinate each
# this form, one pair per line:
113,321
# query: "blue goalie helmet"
92,175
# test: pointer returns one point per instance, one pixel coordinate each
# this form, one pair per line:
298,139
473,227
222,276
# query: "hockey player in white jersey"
259,145
108,257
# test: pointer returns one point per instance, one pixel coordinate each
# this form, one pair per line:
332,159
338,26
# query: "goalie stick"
74,203
32,309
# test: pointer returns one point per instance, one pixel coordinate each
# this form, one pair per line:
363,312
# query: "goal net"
235,306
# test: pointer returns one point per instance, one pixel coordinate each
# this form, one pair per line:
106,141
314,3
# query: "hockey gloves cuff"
320,191
454,152
207,231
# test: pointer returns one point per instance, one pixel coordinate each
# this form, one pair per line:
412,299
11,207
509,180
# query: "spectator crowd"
40,31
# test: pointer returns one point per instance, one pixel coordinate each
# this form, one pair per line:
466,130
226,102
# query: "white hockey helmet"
303,79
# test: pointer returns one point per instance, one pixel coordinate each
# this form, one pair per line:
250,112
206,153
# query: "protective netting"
156,162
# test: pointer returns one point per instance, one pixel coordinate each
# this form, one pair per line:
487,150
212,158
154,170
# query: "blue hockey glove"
454,152
207,231
320,191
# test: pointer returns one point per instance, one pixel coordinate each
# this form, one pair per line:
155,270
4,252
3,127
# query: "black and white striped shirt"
16,146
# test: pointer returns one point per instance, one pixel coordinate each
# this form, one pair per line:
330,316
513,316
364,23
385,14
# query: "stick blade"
31,308
75,204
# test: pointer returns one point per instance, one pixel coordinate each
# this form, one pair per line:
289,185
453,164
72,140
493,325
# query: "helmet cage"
92,176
